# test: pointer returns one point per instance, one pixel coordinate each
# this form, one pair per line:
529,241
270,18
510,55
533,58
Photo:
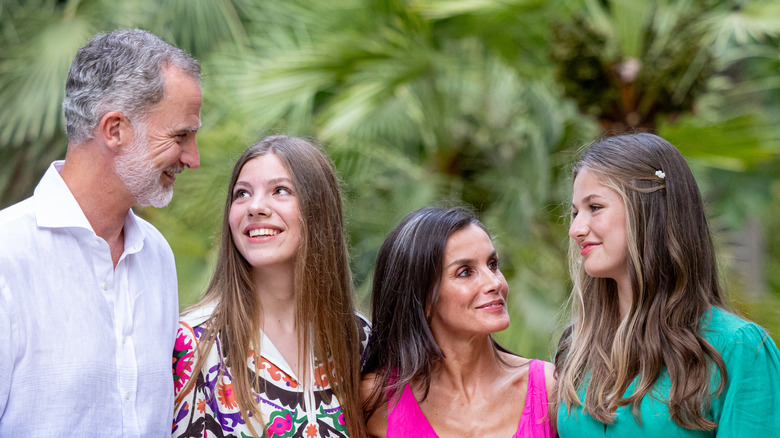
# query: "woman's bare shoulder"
376,423
549,378
515,363
367,384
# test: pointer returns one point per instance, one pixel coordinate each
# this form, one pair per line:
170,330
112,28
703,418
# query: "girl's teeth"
262,232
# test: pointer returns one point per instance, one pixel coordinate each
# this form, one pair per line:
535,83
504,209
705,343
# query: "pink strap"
407,416
535,423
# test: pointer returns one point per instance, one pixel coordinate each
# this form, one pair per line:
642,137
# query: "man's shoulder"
21,211
17,222
150,233
146,227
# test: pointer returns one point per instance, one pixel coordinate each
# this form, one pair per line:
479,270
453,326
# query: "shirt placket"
113,285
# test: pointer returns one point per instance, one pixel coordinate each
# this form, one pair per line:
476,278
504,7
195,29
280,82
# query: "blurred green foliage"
420,102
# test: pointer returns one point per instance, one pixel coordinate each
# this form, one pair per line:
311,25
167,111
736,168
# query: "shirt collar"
55,207
134,236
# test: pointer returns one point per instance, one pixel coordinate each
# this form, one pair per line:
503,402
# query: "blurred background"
421,102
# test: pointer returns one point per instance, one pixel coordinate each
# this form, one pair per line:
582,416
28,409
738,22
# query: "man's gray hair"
119,71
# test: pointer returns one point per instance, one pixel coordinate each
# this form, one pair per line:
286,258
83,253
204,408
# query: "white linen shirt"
85,348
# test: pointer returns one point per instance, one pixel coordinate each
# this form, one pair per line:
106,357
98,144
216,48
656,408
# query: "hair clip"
660,174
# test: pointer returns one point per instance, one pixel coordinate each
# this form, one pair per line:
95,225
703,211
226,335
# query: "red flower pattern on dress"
280,425
283,419
277,374
182,363
320,377
226,396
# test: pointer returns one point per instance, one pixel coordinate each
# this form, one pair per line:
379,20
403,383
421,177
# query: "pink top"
406,419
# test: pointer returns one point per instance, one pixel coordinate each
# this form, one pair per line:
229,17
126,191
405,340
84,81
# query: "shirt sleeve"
6,346
365,332
750,402
184,358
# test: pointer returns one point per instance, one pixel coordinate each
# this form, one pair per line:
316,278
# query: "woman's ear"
431,300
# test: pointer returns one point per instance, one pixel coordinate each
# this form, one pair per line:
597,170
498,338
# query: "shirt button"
124,340
96,242
105,286
127,396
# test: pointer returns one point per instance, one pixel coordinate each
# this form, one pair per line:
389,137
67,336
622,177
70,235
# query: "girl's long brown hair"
674,282
325,310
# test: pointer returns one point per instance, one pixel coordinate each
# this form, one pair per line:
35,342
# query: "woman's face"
472,290
599,228
265,220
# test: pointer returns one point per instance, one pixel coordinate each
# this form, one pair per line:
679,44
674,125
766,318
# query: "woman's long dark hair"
401,346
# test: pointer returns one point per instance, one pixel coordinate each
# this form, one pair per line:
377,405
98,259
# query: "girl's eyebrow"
271,181
588,198
282,179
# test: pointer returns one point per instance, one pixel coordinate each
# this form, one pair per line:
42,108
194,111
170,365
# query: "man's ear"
115,130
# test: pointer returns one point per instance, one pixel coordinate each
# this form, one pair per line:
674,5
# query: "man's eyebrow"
185,130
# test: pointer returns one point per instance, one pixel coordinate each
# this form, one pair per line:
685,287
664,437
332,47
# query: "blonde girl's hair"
674,280
325,310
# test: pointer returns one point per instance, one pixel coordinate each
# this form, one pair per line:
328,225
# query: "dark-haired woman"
432,368
652,349
274,347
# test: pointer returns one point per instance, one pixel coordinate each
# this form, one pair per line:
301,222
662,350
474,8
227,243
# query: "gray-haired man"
88,295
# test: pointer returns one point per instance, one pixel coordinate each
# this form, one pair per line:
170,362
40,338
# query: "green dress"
749,406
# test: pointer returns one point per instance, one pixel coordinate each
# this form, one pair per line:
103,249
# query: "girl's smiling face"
598,227
265,220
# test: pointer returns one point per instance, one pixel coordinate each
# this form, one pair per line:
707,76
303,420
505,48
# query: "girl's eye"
595,207
493,265
283,191
573,214
240,193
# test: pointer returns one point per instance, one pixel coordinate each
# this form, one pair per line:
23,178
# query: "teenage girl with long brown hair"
652,349
274,346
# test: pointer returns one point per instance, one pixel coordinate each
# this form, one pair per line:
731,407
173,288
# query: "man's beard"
137,171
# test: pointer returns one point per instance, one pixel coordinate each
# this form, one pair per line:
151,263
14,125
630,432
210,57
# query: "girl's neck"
276,290
625,296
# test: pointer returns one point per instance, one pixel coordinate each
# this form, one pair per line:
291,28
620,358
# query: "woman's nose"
493,281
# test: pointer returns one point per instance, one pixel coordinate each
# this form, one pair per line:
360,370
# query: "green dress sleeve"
749,406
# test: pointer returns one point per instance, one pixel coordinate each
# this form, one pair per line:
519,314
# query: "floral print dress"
209,408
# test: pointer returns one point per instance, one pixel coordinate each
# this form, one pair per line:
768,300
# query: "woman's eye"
463,273
283,191
493,265
595,207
